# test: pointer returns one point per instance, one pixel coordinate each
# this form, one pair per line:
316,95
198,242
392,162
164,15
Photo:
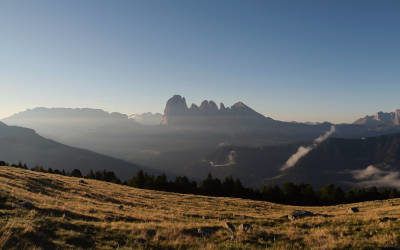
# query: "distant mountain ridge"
147,118
61,123
24,145
87,113
381,118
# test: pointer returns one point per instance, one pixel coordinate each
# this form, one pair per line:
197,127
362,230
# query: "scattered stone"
27,205
160,238
190,231
229,226
92,211
140,241
81,181
109,218
297,214
353,210
245,227
150,233
205,231
386,219
201,232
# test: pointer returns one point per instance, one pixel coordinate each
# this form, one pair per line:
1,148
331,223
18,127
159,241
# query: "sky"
290,60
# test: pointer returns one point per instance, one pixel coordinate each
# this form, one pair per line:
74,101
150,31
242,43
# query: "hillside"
52,211
341,161
25,145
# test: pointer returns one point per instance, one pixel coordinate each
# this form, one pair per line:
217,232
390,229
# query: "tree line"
287,193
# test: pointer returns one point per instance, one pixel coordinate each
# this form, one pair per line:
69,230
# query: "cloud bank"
374,176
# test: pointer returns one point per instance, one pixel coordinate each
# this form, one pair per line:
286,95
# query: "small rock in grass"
150,233
200,232
353,210
299,214
27,205
207,231
92,211
140,241
386,219
109,218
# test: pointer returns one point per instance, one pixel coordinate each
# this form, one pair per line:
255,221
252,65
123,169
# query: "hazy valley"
225,141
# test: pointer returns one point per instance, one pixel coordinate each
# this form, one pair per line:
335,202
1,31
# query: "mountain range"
224,140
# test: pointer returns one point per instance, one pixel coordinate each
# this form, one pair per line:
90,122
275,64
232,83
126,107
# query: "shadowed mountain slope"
24,145
339,160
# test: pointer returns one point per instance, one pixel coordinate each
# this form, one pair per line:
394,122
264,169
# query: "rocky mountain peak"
222,107
194,108
381,118
384,117
209,107
240,105
397,117
176,111
176,105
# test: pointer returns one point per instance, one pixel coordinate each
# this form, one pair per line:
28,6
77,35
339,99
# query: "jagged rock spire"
176,109
176,105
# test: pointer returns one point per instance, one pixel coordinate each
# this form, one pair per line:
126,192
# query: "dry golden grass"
46,211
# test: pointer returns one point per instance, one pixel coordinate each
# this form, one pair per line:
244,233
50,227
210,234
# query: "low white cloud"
230,161
374,176
304,150
300,153
325,136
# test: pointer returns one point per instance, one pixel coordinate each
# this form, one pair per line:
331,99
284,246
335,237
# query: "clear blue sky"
292,60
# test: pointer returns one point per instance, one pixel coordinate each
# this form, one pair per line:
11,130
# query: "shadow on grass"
51,212
45,186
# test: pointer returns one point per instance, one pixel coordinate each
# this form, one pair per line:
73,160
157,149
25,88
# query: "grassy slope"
95,214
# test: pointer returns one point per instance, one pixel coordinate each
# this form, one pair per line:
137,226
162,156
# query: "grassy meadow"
47,211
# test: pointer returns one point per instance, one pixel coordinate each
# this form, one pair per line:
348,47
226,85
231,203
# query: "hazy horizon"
161,111
309,61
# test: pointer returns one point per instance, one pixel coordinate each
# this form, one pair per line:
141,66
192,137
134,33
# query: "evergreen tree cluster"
181,184
288,193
